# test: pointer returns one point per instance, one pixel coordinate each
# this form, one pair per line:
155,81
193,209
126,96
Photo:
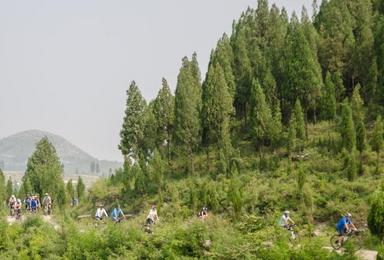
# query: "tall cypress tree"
187,133
217,109
347,127
302,72
164,113
44,172
329,99
299,120
132,132
377,139
80,188
358,119
261,116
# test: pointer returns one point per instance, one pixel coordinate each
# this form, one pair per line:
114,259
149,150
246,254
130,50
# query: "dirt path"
361,254
49,219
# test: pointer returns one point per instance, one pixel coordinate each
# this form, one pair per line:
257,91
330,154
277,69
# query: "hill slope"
15,150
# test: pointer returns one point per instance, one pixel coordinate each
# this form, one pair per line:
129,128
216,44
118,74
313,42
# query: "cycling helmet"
286,212
349,215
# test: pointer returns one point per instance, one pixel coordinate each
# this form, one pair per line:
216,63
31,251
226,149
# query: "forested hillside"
287,117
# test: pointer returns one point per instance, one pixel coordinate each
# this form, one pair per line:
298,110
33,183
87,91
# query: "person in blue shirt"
344,226
117,214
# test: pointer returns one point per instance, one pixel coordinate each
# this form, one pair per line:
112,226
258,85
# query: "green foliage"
187,131
132,132
80,188
376,214
70,190
44,172
329,98
3,191
217,110
347,127
299,121
9,188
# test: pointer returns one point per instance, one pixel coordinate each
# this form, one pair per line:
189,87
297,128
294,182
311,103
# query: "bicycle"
294,236
353,237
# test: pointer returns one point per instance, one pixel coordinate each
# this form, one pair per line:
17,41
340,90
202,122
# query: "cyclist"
11,203
117,214
34,204
18,206
47,203
286,221
100,213
152,216
344,226
203,213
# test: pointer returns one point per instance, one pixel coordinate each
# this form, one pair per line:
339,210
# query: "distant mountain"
16,149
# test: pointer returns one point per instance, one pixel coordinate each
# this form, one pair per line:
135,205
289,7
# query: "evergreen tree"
329,99
349,164
299,121
261,116
376,214
132,132
164,113
187,133
347,127
377,140
223,55
150,137
302,71
70,190
358,118
216,110
291,139
80,188
44,172
243,74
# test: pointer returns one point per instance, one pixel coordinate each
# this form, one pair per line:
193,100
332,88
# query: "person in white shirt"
285,221
100,213
152,216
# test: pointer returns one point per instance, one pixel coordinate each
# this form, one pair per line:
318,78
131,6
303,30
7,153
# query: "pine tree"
358,118
243,75
164,113
132,132
44,172
349,164
70,190
216,110
261,116
302,72
223,55
347,127
187,133
299,121
377,139
9,188
80,188
329,99
150,137
291,139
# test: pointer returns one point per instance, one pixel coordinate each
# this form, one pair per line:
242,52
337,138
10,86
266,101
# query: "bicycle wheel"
355,243
335,242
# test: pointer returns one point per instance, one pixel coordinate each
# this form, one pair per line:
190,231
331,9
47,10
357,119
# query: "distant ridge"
16,149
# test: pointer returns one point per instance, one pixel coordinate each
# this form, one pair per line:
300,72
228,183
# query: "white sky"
65,65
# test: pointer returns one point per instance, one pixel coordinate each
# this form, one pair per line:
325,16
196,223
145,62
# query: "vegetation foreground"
288,117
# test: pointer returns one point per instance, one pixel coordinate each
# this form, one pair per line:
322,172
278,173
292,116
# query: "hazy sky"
65,65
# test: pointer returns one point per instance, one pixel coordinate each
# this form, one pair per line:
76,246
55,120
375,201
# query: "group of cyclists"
31,204
343,227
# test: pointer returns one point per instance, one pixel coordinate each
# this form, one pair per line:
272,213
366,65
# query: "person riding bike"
344,226
100,213
18,206
34,204
117,214
152,216
27,203
203,213
47,203
286,221
11,203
